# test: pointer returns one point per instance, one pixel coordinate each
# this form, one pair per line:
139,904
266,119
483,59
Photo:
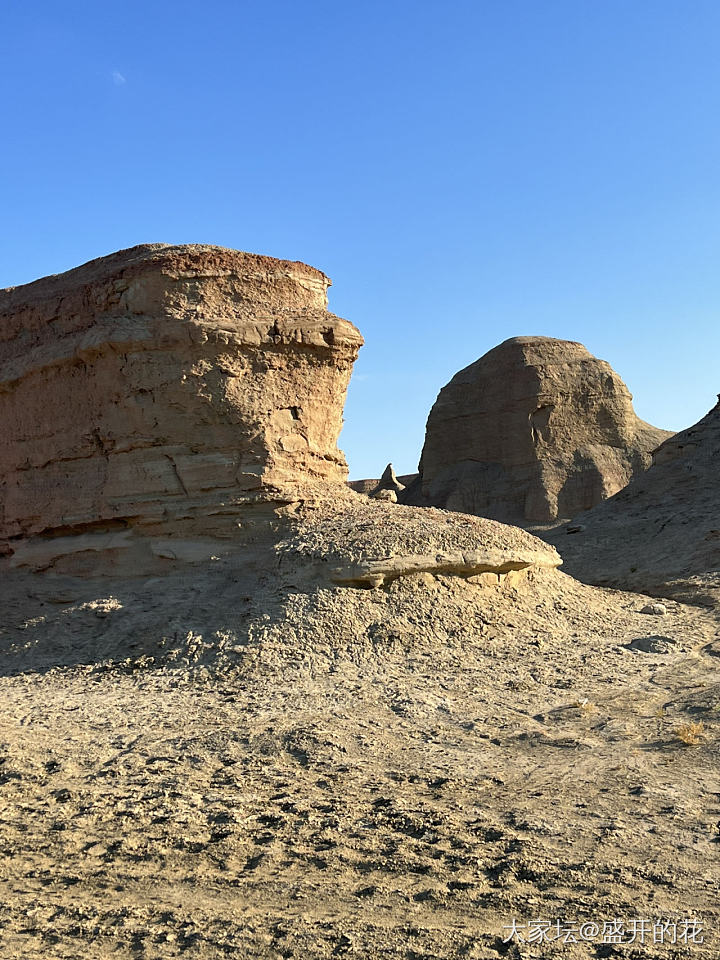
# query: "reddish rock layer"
166,381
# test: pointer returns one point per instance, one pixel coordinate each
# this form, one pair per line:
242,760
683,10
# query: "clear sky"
463,171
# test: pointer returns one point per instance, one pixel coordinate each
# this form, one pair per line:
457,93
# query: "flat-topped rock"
353,541
163,383
534,430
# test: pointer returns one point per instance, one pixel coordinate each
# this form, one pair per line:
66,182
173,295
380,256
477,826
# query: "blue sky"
464,171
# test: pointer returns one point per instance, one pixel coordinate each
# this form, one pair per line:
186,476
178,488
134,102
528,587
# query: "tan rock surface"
535,429
388,487
370,544
661,533
389,481
370,485
164,384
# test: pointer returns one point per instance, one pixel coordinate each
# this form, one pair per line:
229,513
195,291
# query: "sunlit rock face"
163,384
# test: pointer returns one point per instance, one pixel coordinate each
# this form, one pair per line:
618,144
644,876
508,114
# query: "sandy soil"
338,772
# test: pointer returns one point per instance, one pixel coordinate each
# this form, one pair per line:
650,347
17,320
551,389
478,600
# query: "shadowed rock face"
534,430
661,533
165,382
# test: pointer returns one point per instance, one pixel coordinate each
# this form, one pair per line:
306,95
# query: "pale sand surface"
278,772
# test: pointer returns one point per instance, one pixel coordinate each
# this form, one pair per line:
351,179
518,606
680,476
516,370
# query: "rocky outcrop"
164,385
353,541
389,481
661,533
372,486
386,488
535,430
167,405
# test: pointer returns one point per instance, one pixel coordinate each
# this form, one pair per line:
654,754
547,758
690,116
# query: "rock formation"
535,430
163,384
388,481
661,533
388,484
170,405
353,541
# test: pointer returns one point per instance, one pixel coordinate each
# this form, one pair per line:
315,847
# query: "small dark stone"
653,645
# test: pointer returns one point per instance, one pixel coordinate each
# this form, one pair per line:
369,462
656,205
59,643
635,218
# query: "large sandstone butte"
536,429
163,384
661,533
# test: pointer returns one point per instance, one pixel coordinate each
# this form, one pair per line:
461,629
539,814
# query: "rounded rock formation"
535,430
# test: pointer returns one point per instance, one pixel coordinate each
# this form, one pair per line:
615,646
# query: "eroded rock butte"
534,430
161,387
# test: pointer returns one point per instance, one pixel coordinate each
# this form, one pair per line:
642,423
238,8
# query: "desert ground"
210,765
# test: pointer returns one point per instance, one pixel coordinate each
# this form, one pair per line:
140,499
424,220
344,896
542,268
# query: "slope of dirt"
661,534
233,763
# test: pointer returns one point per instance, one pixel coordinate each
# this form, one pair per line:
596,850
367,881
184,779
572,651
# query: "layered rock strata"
359,542
163,384
536,429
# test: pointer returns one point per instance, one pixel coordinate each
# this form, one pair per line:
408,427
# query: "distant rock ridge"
163,384
535,430
371,484
661,533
